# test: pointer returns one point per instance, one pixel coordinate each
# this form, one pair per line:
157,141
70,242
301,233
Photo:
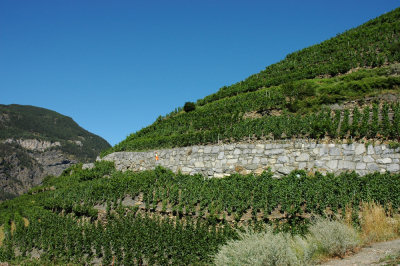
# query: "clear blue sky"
115,66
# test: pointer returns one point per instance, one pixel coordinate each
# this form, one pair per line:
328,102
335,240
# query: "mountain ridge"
36,142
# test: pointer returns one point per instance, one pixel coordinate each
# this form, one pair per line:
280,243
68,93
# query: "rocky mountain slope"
36,142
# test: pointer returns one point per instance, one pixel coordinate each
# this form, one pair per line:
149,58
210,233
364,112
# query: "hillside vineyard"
315,136
357,71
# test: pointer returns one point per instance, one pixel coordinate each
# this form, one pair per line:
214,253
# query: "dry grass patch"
13,227
376,224
26,221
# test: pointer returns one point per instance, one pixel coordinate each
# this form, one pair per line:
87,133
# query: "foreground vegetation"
325,239
83,216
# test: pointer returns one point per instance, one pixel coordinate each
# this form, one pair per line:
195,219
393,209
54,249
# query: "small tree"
189,106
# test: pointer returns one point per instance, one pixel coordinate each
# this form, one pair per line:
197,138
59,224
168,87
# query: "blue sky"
115,66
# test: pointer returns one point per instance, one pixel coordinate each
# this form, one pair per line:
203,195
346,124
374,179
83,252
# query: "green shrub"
333,238
189,106
395,69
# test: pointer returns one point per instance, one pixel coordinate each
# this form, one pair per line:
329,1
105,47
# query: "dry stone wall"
280,157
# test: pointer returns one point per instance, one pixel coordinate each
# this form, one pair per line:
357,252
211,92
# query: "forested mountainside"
35,142
295,97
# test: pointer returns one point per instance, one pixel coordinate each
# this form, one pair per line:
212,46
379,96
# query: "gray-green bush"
333,238
325,237
265,248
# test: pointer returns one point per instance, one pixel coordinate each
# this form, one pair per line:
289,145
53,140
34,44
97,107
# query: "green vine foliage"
314,125
298,85
65,225
353,48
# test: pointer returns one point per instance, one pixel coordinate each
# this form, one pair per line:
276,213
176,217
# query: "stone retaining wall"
282,157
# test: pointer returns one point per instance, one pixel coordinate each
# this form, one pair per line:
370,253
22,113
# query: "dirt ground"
369,255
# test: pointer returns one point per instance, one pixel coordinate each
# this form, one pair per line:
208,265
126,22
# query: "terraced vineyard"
344,88
362,62
161,217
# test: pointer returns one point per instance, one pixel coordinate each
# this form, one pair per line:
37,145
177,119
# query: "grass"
377,225
326,239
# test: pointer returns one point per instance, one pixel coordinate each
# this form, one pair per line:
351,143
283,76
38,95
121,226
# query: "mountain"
36,142
360,65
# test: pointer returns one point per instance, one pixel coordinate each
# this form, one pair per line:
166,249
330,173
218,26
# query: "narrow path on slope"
369,255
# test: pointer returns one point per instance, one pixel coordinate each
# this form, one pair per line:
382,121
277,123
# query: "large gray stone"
282,159
274,151
260,146
88,166
232,161
332,164
207,149
284,170
373,167
237,151
361,166
334,151
378,149
215,149
302,165
393,167
346,165
368,159
384,160
199,164
370,150
304,157
252,167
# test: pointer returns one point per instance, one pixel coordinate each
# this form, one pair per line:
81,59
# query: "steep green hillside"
30,122
36,142
158,217
293,97
369,45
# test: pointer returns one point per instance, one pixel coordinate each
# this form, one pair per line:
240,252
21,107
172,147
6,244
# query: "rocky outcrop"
281,157
21,168
34,144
